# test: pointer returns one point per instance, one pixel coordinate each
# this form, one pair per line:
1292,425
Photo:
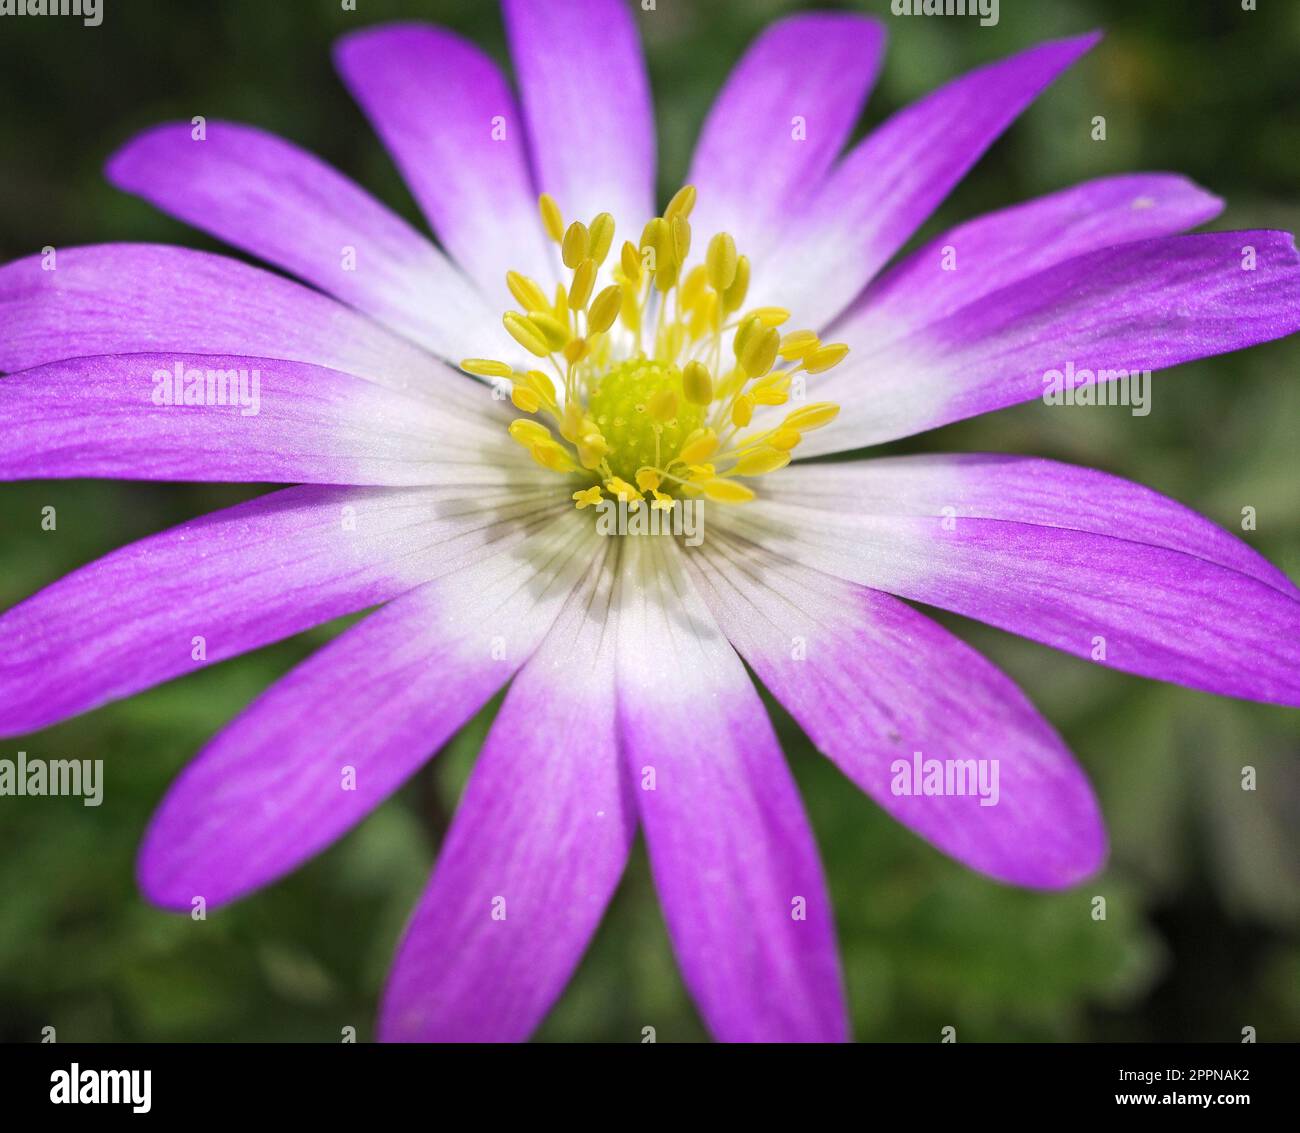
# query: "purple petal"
886,188
326,744
451,123
1143,609
754,163
536,850
240,579
265,195
128,298
730,849
875,684
1022,489
1136,307
586,98
986,254
293,422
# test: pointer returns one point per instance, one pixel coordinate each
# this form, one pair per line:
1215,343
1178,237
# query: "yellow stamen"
658,372
486,368
552,219
576,242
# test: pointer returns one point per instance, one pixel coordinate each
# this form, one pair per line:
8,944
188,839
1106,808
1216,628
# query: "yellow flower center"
658,374
643,415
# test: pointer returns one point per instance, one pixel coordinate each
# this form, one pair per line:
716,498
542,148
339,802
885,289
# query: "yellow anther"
552,218
681,230
630,262
693,285
706,316
560,309
770,316
602,236
697,383
727,491
577,242
663,405
621,490
604,309
542,384
759,461
526,334
734,296
720,261
662,501
584,277
592,449
812,416
742,411
770,395
648,479
527,292
650,234
824,357
486,368
588,497
630,308
553,455
699,446
525,399
701,472
797,344
666,263
575,350
682,203
759,354
749,328
554,332
528,433
785,438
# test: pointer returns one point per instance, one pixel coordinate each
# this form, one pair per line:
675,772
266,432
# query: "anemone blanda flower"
628,703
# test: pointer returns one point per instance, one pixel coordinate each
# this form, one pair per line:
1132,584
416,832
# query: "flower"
676,379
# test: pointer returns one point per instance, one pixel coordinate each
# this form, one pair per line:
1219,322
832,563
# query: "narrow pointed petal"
258,419
136,298
888,186
1019,489
276,201
239,579
586,97
984,255
1136,307
267,793
1141,608
876,685
537,847
732,855
782,118
448,117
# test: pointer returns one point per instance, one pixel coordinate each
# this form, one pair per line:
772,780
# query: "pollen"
663,381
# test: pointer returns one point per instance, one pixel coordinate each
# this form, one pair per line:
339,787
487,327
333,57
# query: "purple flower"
629,704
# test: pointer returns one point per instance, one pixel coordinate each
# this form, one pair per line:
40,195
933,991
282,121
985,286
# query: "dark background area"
1203,887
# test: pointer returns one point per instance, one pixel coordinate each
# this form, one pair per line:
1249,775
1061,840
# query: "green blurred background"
1203,886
